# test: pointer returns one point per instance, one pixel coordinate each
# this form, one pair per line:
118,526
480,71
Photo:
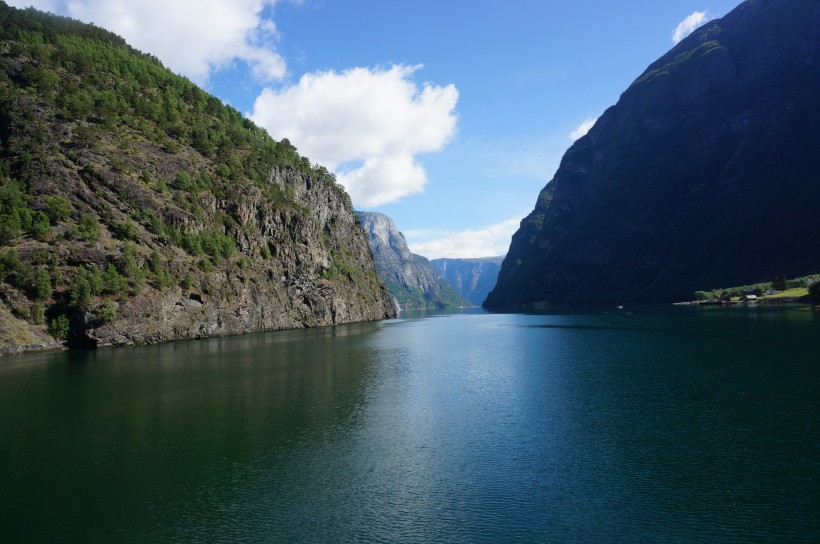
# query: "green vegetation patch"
785,288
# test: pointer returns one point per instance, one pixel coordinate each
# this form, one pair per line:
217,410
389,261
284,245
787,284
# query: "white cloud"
192,37
266,65
583,128
377,116
486,242
690,24
383,179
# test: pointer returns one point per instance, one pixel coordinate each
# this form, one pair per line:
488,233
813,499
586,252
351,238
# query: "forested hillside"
135,207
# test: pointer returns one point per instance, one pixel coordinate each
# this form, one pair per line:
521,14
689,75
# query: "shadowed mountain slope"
706,172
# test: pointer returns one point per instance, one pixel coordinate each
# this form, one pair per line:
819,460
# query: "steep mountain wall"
136,208
410,278
705,173
472,279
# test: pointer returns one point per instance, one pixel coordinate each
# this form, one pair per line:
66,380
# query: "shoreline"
775,300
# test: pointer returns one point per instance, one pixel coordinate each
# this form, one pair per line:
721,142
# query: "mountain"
134,207
704,173
411,279
472,279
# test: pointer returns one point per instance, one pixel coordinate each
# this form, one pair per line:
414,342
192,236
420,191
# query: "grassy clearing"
795,292
15,332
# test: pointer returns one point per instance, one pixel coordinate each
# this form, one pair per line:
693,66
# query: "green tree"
42,284
56,276
129,264
83,287
79,292
702,295
157,267
106,312
38,313
15,215
780,282
58,208
112,282
182,181
131,269
125,230
88,228
59,327
40,225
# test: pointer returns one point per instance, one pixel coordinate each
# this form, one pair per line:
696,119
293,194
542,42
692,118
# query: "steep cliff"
704,173
472,279
411,279
136,208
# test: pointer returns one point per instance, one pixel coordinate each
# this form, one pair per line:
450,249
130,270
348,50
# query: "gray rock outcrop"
410,278
296,288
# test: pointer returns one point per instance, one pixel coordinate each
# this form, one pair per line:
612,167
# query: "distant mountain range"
706,172
410,278
472,279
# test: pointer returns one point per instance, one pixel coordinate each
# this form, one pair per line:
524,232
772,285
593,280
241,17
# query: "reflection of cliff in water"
177,421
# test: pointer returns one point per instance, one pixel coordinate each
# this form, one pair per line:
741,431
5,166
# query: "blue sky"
448,115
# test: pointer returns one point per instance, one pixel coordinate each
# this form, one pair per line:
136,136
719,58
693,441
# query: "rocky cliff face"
703,174
296,287
472,279
135,208
410,278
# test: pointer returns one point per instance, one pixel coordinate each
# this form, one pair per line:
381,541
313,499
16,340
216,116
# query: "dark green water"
663,425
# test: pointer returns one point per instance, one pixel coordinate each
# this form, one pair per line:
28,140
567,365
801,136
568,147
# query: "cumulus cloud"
486,242
583,128
690,24
192,37
377,119
384,179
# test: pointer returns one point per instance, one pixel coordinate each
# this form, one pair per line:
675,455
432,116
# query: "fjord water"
650,425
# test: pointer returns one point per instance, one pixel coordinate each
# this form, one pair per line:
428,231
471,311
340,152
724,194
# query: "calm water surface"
656,425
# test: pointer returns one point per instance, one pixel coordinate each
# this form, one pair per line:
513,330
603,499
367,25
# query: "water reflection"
654,425
130,427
